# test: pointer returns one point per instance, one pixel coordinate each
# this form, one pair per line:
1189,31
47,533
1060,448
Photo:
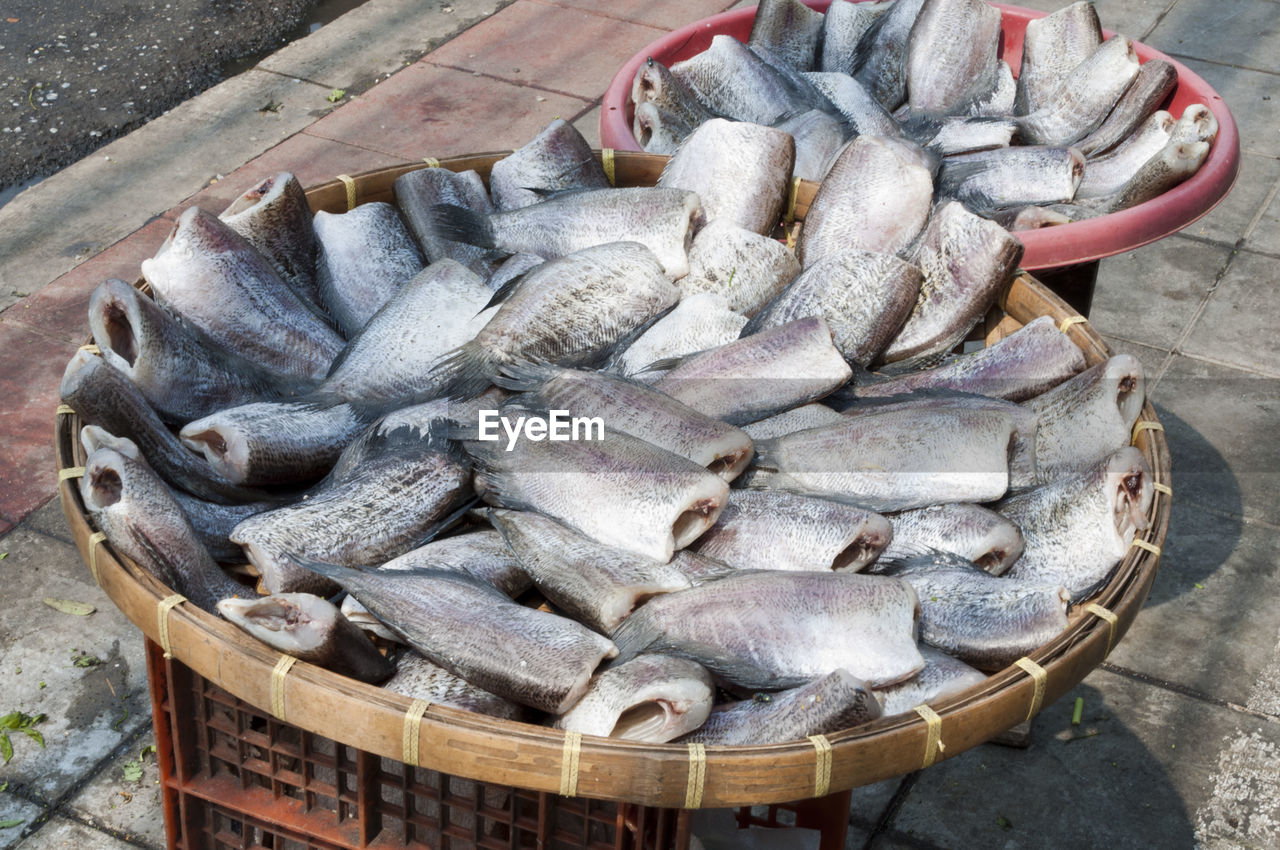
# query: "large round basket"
1046,248
669,775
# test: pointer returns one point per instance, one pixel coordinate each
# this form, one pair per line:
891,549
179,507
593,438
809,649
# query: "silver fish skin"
983,620
654,83
406,486
389,362
131,505
273,442
572,311
842,28
967,262
418,678
105,397
899,458
1010,177
211,522
819,138
784,367
1085,98
875,197
481,554
835,701
700,569
770,629
366,255
556,159
862,112
472,630
310,629
1029,217
956,134
512,267
999,101
1175,163
213,278
775,530
417,193
951,55
276,219
1080,526
619,490
660,218
597,585
789,421
743,267
657,130
734,82
942,677
634,409
1088,417
1155,81
652,698
1052,48
1108,174
741,172
1030,361
788,29
975,533
700,321
880,58
864,296
182,372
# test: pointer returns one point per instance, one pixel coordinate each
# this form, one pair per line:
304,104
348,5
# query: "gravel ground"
74,75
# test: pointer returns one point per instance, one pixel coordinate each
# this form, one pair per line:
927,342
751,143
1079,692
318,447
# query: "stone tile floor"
1180,744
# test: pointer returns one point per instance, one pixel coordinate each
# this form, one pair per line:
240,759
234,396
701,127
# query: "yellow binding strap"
431,161
697,776
94,539
91,348
569,763
277,685
412,728
1041,678
1162,488
822,771
351,190
162,620
65,409
1066,323
1103,614
1139,543
1144,425
609,165
70,472
792,194
933,743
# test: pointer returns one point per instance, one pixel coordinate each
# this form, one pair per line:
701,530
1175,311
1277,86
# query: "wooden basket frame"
665,775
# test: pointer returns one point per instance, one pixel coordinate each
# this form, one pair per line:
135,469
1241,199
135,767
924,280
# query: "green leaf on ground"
84,659
69,606
10,824
1003,822
337,95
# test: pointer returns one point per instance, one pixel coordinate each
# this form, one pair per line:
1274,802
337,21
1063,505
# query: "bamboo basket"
668,775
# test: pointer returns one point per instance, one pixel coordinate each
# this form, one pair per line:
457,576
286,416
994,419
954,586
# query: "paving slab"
375,39
1253,98
204,137
1256,185
1239,321
128,807
588,124
1220,423
659,15
49,521
1149,295
1133,18
64,834
34,364
1136,782
90,710
513,46
427,110
16,809
1151,358
1216,31
1266,235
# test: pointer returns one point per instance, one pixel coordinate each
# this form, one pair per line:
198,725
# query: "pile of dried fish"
613,459
1078,132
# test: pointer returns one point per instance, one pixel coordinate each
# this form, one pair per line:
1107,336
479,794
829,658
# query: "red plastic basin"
1047,248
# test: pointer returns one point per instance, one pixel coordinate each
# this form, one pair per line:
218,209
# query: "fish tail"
633,636
525,376
459,224
765,450
464,372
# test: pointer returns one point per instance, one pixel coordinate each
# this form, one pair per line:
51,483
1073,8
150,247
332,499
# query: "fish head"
1197,124
293,623
263,192
1129,492
873,535
80,369
93,437
1124,372
106,475
651,130
118,324
651,83
1002,545
226,448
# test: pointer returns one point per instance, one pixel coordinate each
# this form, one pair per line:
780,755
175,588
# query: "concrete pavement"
1180,743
